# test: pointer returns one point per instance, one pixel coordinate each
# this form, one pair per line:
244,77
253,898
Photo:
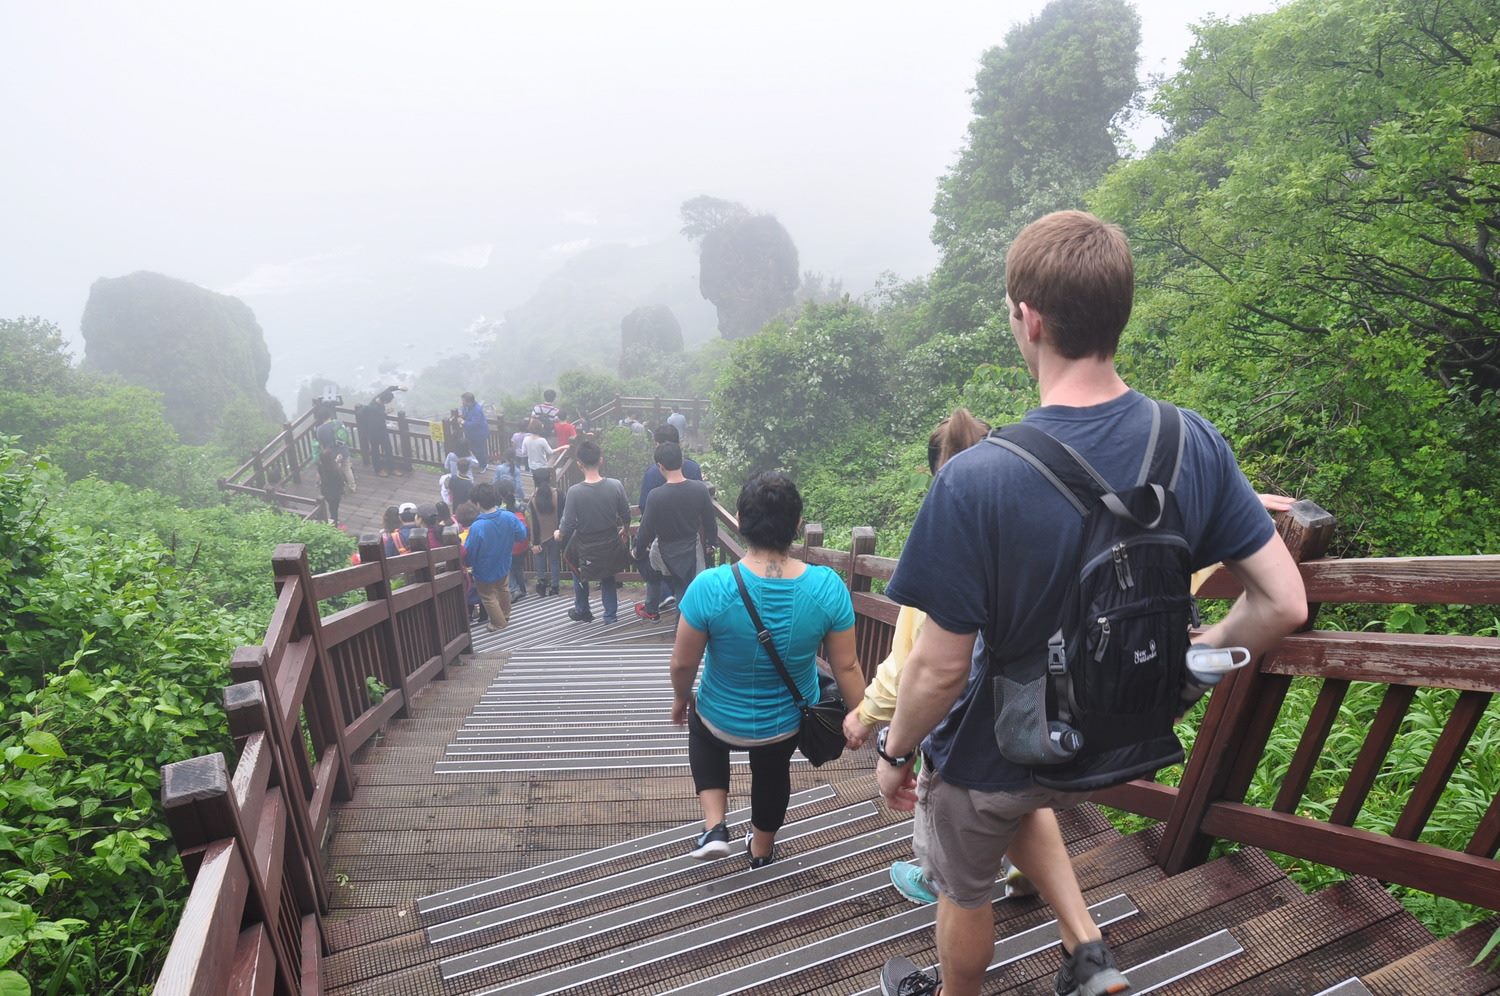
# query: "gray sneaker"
1091,971
902,977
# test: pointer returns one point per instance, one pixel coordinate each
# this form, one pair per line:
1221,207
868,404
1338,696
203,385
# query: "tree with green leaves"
1047,109
747,263
799,385
1315,243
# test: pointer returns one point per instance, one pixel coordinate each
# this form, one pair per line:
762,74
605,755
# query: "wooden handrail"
314,673
301,703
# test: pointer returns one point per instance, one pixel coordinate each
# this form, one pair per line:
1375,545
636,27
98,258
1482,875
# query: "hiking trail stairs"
524,831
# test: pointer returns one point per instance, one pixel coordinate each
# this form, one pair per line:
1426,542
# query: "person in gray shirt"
679,516
594,508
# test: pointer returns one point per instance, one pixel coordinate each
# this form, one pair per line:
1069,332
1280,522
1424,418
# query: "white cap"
407,506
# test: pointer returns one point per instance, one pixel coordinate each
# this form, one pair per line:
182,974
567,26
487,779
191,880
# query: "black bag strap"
1075,479
765,639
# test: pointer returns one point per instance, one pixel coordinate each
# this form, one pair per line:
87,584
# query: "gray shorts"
961,835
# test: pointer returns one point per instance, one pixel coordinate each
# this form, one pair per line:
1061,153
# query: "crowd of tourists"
1042,647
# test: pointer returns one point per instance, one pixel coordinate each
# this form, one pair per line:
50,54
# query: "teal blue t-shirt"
739,691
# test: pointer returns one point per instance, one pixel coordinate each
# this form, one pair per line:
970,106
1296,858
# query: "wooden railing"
251,841
317,688
414,442
1236,728
652,411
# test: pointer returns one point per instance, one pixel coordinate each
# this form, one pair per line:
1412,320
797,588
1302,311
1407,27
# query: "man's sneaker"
754,861
711,843
577,616
902,977
667,602
1091,971
644,613
1016,883
908,879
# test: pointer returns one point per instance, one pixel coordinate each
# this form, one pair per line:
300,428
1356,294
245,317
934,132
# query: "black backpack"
1093,705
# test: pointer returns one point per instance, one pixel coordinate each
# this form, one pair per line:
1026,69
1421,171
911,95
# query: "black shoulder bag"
821,738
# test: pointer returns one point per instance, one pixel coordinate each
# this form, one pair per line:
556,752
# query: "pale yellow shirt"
879,704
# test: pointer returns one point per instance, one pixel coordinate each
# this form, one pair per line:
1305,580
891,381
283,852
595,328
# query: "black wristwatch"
895,762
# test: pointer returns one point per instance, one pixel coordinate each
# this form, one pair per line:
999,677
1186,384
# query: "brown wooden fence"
302,701
251,840
1233,735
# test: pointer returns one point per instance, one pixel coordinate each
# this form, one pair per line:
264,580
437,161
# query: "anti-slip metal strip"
636,876
1349,987
572,707
500,767
644,747
658,906
716,932
501,734
1163,970
598,856
1012,948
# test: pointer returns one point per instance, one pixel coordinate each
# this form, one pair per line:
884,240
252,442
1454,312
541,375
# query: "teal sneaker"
908,879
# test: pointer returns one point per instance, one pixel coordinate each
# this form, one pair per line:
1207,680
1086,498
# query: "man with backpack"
1081,667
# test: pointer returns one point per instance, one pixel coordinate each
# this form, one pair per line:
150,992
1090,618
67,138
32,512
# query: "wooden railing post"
428,575
861,544
293,458
1237,724
258,475
198,802
372,551
249,712
290,561
403,430
812,535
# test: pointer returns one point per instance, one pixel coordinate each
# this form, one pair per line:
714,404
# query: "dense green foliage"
112,668
96,425
1046,106
799,384
198,349
1317,270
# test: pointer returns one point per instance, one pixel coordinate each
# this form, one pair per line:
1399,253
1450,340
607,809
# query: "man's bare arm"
936,672
1274,603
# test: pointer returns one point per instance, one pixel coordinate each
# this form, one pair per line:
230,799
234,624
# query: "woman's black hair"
505,489
542,498
770,510
390,519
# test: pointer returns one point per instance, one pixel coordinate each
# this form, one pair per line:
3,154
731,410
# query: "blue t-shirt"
994,545
653,478
740,692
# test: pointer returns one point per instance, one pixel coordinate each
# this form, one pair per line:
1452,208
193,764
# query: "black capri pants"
770,772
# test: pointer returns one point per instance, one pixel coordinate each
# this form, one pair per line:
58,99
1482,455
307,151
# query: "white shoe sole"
711,850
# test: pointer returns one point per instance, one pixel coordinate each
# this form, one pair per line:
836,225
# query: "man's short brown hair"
1076,271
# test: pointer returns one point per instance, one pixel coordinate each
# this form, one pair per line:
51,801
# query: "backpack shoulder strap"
1056,461
1162,461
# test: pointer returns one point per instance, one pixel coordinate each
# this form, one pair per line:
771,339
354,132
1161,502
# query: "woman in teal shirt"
742,703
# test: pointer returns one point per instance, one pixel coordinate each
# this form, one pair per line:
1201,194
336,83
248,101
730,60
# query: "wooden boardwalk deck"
523,830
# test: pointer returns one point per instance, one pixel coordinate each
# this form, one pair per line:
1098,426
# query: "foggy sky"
262,149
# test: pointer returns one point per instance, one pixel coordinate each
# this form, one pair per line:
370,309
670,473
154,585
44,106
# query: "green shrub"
112,670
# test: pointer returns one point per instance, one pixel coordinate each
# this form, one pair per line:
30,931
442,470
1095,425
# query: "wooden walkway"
523,831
